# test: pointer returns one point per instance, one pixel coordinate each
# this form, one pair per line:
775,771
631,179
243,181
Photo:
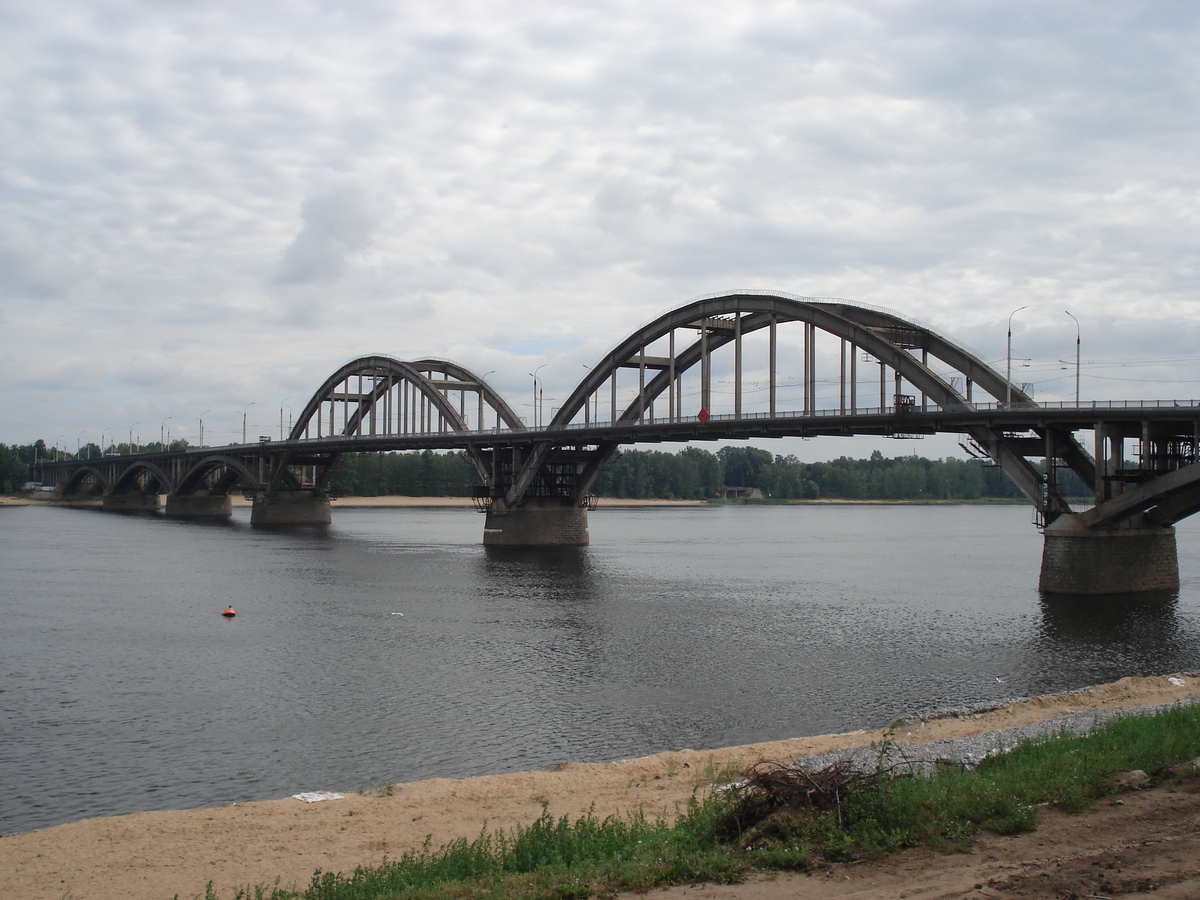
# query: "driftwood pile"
774,792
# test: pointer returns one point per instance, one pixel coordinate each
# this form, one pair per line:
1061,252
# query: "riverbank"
153,855
398,502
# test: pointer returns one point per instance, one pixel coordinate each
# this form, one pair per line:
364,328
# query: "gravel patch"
967,752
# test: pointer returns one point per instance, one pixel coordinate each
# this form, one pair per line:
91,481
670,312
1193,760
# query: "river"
393,646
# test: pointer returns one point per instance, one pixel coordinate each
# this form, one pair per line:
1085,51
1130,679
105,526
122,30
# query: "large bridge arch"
725,319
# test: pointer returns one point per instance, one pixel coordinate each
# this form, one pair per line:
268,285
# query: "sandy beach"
155,855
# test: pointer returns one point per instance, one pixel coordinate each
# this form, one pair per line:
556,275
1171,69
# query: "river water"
392,646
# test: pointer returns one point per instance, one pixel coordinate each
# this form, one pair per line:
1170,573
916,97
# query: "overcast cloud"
212,205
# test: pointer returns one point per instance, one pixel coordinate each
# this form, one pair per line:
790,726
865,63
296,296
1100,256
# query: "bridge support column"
131,502
199,506
1079,560
290,508
538,522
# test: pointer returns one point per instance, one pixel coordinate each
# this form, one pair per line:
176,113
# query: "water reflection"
567,562
1114,635
1147,618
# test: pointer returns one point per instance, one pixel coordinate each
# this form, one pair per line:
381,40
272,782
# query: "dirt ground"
1153,839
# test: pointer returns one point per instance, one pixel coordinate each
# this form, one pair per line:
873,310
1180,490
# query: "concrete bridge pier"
1125,559
199,506
135,501
537,522
291,508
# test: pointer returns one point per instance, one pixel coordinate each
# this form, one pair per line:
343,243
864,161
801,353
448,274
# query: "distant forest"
697,474
690,474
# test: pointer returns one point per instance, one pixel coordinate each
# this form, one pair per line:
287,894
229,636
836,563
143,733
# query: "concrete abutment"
1127,559
291,508
131,502
199,506
538,522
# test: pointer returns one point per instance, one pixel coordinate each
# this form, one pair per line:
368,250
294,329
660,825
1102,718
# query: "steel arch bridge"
707,370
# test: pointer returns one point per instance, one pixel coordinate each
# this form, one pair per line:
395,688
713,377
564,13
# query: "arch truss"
712,359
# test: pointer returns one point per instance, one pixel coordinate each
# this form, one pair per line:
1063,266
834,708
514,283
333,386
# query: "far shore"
398,501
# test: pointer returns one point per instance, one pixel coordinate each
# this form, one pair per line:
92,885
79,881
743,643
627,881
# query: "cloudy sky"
209,205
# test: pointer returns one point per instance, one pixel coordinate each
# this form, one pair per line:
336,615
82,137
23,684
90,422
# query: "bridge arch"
217,473
139,477
396,397
726,318
79,476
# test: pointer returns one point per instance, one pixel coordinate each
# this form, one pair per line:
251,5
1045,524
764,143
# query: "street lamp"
536,413
201,418
1008,370
1068,312
282,404
78,446
244,408
107,430
132,445
162,433
61,437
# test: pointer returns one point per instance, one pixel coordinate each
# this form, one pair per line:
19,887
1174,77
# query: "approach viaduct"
709,370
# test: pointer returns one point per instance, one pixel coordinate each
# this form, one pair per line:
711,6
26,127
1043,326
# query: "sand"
155,855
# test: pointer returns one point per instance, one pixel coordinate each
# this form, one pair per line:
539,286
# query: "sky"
209,207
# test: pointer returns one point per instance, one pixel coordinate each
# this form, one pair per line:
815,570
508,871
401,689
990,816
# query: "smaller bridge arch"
379,395
80,476
141,477
218,474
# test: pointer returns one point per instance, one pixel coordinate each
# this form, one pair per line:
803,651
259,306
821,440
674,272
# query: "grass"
880,812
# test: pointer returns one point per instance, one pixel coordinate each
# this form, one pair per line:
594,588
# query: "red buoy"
229,613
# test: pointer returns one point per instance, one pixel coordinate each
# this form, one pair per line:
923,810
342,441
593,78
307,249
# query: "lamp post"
282,404
533,375
132,445
1068,312
1008,369
63,438
201,418
244,408
79,446
107,430
162,433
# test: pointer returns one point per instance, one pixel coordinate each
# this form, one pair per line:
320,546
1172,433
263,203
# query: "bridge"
658,385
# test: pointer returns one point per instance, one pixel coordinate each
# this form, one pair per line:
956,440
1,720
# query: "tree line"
697,474
690,474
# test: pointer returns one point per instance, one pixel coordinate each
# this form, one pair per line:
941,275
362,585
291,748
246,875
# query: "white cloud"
254,194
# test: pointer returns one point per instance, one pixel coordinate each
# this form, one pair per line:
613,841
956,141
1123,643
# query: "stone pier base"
198,506
132,502
291,508
538,522
1078,560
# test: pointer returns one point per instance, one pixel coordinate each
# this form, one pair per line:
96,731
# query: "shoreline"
401,501
151,855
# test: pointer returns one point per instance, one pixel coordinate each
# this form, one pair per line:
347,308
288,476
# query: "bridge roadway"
535,480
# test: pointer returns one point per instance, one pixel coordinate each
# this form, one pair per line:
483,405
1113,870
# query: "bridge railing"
833,412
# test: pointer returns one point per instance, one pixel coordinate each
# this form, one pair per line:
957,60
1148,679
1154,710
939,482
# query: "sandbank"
155,855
